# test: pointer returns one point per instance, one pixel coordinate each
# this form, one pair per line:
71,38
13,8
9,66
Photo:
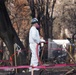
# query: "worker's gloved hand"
39,43
43,42
46,42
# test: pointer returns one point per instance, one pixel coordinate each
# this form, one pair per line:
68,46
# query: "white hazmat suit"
34,39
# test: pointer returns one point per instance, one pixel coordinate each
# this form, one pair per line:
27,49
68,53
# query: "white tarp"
57,44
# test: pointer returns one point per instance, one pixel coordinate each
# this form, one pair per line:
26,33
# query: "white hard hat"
34,20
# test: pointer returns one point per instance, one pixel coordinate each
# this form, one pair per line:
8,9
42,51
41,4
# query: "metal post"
15,60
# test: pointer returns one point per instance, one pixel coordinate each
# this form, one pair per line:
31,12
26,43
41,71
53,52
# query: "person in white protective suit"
34,39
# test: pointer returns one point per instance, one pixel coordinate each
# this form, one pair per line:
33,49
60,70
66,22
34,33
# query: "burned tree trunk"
32,7
8,34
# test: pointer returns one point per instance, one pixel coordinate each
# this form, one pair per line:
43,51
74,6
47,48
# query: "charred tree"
32,7
46,24
52,19
8,34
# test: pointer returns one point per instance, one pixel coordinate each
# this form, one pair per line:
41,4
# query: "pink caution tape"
41,67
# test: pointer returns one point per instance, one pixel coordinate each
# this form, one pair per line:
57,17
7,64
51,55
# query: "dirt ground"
44,72
59,71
